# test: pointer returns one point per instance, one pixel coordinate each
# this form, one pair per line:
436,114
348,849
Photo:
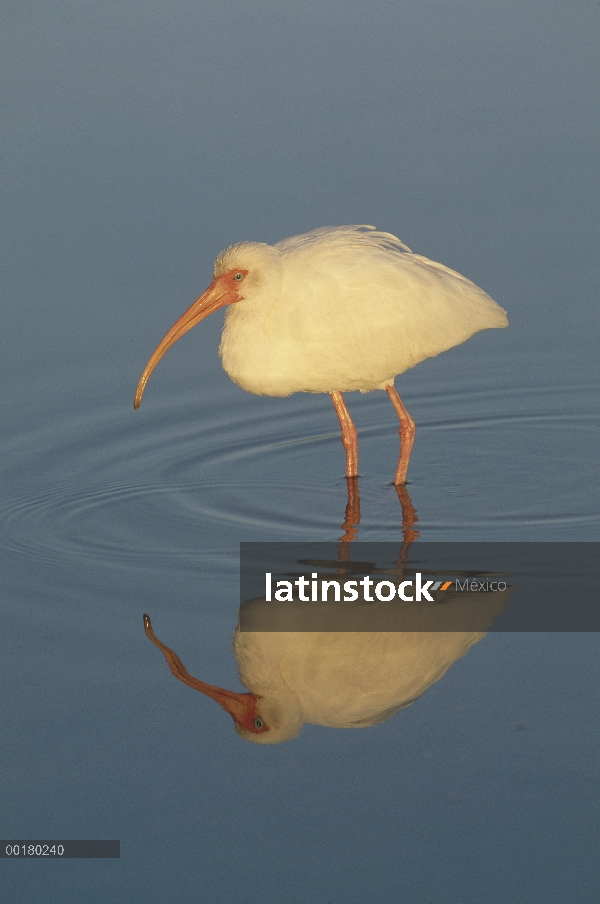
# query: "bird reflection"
341,679
351,522
335,679
352,519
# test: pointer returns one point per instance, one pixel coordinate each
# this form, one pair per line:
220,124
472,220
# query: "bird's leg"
407,434
349,434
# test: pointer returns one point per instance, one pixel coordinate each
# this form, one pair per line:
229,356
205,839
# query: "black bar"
58,850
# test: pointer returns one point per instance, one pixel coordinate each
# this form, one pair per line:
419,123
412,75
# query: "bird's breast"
313,347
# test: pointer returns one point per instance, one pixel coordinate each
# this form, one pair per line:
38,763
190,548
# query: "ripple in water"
175,486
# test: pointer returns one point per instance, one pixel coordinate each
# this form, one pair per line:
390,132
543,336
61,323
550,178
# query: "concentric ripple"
111,487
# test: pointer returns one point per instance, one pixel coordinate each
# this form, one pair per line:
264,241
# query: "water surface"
142,143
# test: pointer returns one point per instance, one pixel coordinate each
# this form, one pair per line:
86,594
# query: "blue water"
485,789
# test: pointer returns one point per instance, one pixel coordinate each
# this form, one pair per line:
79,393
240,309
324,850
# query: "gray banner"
419,587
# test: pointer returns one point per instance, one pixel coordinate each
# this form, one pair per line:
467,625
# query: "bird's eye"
258,723
238,277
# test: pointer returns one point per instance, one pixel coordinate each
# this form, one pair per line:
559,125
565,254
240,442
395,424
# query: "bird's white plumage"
353,678
345,308
340,679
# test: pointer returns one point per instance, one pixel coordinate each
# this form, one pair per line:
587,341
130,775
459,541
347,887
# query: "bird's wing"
342,235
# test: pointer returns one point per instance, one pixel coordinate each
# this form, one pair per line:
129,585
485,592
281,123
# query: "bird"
335,310
338,679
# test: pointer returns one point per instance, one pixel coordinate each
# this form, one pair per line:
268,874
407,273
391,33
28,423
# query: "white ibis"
335,310
335,679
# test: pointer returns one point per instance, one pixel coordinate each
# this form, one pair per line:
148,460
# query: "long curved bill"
216,296
242,707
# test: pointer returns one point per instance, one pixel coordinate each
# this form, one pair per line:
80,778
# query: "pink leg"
349,434
407,435
409,516
352,519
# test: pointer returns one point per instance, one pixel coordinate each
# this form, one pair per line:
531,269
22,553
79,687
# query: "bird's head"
243,708
256,718
240,273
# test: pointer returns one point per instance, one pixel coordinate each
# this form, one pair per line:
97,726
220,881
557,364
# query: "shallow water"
513,462
112,513
131,164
